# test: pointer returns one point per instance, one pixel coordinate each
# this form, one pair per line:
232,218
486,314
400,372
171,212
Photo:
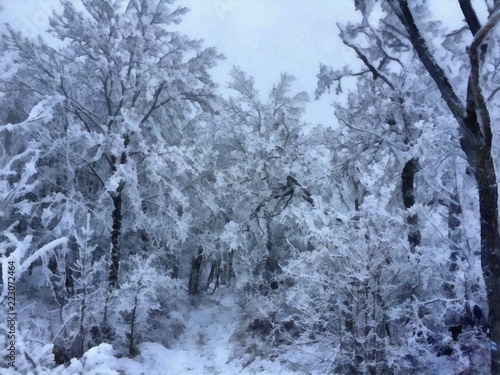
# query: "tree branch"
475,97
436,72
470,16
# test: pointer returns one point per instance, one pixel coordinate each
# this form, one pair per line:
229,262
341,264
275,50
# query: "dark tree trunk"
132,351
227,268
272,257
195,275
116,216
214,275
455,236
69,282
470,16
115,240
408,191
357,204
272,264
359,194
490,248
271,261
476,136
454,212
175,269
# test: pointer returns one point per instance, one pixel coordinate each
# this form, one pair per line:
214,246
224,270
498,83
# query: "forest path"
209,326
204,348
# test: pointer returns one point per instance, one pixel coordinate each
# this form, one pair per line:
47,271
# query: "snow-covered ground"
204,348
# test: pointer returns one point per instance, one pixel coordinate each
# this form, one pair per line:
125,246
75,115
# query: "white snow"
204,348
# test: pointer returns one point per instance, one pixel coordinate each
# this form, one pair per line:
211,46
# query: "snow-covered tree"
102,126
123,89
265,163
142,306
434,182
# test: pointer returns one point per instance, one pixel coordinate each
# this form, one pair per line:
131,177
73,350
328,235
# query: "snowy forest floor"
205,347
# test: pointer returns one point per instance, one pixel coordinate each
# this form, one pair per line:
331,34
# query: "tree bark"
470,16
490,248
454,222
115,240
227,268
116,216
131,346
195,275
408,191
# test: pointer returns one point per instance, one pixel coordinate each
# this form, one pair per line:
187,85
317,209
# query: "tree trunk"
195,275
115,240
132,351
116,217
272,263
227,268
490,248
214,275
408,191
455,236
454,222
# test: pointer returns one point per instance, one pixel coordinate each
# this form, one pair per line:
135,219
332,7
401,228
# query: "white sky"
268,37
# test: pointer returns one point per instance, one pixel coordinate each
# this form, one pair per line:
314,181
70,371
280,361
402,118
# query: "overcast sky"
263,37
268,37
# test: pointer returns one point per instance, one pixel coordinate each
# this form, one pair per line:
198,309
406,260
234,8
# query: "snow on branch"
18,253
